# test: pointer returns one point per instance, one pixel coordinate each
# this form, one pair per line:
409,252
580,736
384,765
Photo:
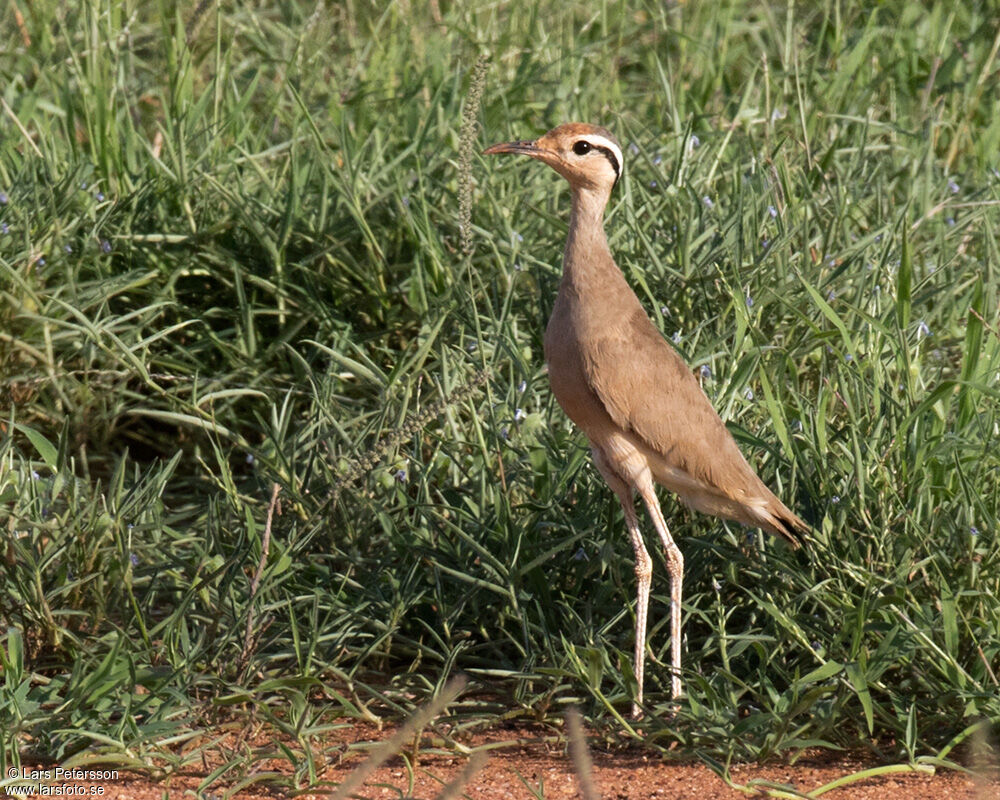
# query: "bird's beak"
522,148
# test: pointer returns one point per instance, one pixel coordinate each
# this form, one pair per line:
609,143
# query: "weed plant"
253,244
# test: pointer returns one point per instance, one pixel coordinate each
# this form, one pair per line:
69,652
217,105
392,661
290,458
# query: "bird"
645,414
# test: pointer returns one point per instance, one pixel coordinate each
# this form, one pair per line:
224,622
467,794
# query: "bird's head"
588,156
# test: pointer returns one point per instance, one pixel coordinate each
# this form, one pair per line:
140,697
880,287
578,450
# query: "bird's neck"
587,261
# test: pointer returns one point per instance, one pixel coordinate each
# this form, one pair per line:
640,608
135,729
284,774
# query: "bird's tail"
781,521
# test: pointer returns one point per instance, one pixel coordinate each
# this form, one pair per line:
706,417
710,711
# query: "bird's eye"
581,147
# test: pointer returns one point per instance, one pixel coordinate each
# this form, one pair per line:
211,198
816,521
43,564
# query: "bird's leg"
643,570
643,579
675,566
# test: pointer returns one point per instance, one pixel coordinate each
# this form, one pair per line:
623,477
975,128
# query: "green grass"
234,256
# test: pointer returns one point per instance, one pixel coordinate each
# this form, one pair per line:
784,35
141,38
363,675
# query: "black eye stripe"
610,156
581,147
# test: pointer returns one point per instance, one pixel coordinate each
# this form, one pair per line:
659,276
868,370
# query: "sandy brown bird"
642,408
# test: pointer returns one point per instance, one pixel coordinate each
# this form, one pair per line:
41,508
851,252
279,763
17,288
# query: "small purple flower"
831,296
134,559
694,141
716,586
657,160
973,530
748,394
400,476
664,311
835,499
633,148
749,301
504,433
772,211
923,329
68,248
764,243
797,425
652,184
3,198
706,372
41,261
517,266
952,186
99,197
34,475
519,414
580,554
676,338
105,246
519,237
4,229
250,458
522,387
406,201
878,237
709,203
950,221
778,113
83,185
848,357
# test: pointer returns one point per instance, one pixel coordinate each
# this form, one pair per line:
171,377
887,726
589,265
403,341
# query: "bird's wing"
647,389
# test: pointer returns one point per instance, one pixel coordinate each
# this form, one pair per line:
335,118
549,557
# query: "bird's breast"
564,357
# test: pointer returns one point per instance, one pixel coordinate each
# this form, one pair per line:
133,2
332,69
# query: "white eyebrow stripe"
599,141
